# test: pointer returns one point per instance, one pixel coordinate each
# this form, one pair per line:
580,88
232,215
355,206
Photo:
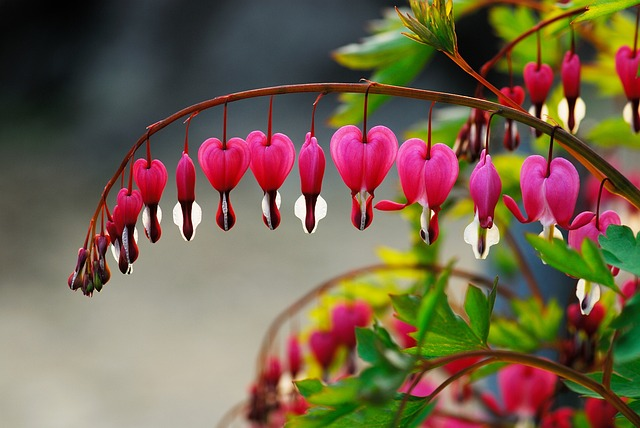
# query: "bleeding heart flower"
294,355
427,177
310,208
224,164
345,317
549,193
272,158
122,228
525,391
472,136
511,139
187,214
101,272
600,413
538,79
151,178
323,345
485,187
627,63
363,163
572,108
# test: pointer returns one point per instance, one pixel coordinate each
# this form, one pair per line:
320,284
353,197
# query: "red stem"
429,132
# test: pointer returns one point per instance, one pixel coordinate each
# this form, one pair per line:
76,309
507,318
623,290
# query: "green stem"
492,356
600,168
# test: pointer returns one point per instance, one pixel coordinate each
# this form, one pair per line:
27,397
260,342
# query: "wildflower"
294,356
627,63
76,279
485,187
323,345
600,413
151,178
538,79
427,175
310,207
101,272
525,390
272,158
224,164
549,192
122,228
572,108
511,139
345,317
187,214
363,162
472,136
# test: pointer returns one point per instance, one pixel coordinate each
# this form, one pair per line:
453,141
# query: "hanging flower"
345,317
549,192
627,63
572,108
485,187
272,158
122,228
224,164
538,79
187,214
151,178
310,207
472,136
511,139
525,390
427,175
363,163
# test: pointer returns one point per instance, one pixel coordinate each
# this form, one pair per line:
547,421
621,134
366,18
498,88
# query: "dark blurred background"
175,343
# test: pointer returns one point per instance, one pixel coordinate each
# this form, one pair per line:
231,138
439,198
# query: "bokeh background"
173,344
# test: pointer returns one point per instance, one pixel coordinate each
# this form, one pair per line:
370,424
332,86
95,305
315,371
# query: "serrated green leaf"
377,51
479,307
601,8
308,387
589,265
406,307
621,248
626,348
345,391
620,385
507,334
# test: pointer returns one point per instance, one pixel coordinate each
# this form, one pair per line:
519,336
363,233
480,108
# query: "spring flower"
472,136
485,187
294,356
525,391
627,63
549,192
572,108
363,163
345,317
122,228
272,158
101,272
310,207
151,178
538,79
427,176
323,346
187,214
511,139
224,164
600,413
76,279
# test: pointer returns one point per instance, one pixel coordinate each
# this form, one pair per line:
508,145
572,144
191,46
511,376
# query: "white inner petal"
146,220
580,112
588,294
177,218
196,217
424,223
627,113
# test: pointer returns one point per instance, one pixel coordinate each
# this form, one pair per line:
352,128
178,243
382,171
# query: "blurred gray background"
174,344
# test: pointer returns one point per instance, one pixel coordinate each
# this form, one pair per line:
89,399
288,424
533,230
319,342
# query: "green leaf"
601,8
620,385
621,248
627,345
479,308
344,391
308,387
614,132
589,265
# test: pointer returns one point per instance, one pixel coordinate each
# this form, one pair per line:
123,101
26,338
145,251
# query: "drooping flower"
363,163
272,158
294,356
122,228
224,164
472,136
485,187
310,207
538,79
627,63
600,413
151,178
572,108
511,139
323,346
100,269
589,323
525,390
549,192
427,176
345,317
187,214
76,279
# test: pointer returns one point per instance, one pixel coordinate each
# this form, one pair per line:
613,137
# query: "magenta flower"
363,163
224,164
427,177
588,225
600,413
122,228
187,214
101,272
310,208
627,63
538,79
511,139
571,109
151,178
272,158
472,136
294,356
345,317
549,193
485,187
323,346
526,391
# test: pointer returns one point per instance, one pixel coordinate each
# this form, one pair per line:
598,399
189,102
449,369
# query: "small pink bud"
323,346
272,371
187,214
511,139
76,278
311,207
571,109
294,355
472,136
538,79
627,63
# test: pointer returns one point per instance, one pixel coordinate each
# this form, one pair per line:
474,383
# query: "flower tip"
187,216
310,210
